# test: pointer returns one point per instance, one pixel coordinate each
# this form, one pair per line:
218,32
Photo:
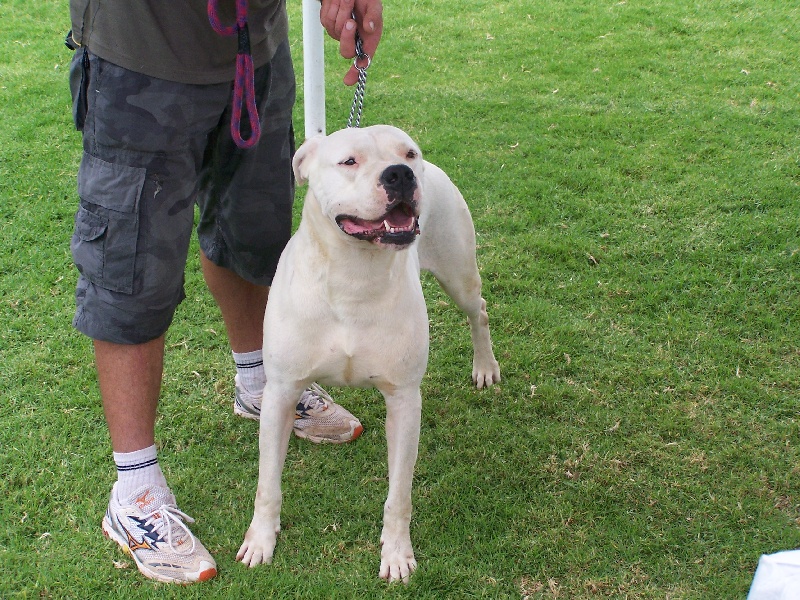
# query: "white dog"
346,308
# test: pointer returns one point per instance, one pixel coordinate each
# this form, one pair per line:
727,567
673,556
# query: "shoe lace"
170,517
314,397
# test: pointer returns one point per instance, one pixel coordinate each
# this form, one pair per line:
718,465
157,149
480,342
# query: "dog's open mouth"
399,226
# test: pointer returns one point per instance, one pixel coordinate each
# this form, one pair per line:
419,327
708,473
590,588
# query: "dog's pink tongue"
356,226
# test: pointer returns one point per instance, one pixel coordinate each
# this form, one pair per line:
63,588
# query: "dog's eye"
412,154
349,162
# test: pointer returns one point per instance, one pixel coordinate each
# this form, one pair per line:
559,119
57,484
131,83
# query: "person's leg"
245,205
129,376
242,305
137,184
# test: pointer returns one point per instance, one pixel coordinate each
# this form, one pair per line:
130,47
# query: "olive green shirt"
173,39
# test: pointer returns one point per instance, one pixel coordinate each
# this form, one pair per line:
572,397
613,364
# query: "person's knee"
110,316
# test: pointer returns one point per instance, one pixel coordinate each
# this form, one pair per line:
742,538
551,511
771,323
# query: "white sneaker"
317,417
150,528
245,404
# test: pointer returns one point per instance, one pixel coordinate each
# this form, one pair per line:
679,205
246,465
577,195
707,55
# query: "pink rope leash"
244,94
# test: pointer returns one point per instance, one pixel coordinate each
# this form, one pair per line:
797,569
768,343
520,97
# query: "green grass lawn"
633,170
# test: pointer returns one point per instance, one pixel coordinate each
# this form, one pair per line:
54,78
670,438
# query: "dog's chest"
373,352
346,320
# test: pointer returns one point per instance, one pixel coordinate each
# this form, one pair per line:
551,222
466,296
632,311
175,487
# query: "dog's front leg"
277,416
403,412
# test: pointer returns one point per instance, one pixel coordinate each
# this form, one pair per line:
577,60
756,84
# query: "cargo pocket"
107,223
88,242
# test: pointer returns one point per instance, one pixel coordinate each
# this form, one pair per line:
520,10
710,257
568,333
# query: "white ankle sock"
250,368
135,469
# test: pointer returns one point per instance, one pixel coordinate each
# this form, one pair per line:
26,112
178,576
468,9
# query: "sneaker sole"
356,431
110,533
349,437
240,412
352,435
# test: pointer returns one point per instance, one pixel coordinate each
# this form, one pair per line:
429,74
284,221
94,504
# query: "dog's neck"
352,267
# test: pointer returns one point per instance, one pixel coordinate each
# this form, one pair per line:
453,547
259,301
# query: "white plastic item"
777,577
313,70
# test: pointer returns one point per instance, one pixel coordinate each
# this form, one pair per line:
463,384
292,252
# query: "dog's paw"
485,374
397,562
258,546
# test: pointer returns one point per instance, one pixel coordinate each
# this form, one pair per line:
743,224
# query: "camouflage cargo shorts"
152,151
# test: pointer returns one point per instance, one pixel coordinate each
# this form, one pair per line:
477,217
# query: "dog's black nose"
399,179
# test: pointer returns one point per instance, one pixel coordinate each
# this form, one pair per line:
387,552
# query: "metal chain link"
357,109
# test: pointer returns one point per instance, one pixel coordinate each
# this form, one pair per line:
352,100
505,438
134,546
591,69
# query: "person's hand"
336,17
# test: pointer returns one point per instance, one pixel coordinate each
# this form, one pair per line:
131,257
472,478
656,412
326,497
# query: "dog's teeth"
390,229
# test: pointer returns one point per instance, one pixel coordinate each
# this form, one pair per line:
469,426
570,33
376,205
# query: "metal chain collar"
357,109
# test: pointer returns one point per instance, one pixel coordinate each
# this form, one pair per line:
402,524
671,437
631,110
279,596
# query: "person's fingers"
344,15
347,39
351,77
370,24
343,18
334,14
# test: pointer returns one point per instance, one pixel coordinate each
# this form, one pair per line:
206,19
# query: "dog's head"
366,181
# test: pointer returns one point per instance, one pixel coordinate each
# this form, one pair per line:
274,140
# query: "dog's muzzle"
399,226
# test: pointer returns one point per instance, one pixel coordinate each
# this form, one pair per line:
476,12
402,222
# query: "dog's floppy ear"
303,157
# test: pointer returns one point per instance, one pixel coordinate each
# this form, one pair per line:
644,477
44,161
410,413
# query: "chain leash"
361,62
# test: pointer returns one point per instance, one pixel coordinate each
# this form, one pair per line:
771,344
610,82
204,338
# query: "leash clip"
361,55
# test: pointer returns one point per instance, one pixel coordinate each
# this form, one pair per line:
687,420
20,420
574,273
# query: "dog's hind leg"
403,415
447,249
465,290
